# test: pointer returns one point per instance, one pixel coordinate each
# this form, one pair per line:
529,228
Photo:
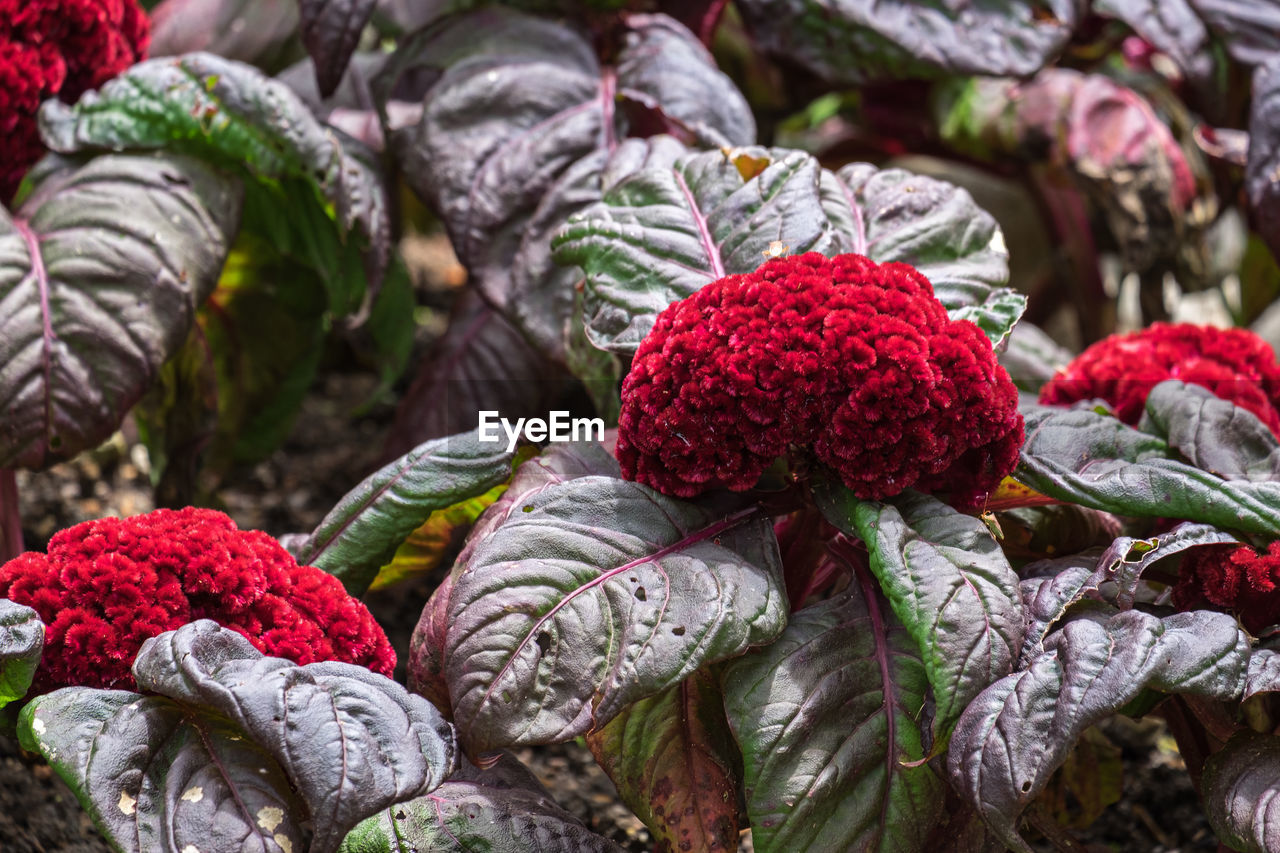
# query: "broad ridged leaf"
894,215
1090,458
1264,673
362,532
1238,790
1213,434
850,42
1019,730
21,644
102,269
331,30
500,810
948,583
426,547
827,718
1249,30
236,748
594,594
1261,178
664,233
254,31
234,116
675,764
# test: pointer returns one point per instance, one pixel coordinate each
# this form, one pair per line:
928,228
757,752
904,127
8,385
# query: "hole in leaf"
678,630
544,642
1026,787
527,508
641,594
55,441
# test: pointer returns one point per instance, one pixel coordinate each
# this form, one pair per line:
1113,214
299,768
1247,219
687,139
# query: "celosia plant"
57,48
105,586
853,361
1241,580
1234,364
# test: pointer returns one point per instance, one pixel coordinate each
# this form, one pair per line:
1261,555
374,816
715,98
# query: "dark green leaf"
850,42
361,533
1239,793
1213,434
827,718
101,271
1032,357
596,593
499,810
675,764
21,644
330,30
1019,730
949,584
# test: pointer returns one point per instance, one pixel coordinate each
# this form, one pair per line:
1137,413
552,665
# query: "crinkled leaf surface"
238,748
330,30
1213,434
21,643
948,583
1020,729
1249,30
102,269
594,594
850,42
235,116
1260,178
827,718
937,227
362,533
1239,793
1086,457
1264,673
675,764
500,810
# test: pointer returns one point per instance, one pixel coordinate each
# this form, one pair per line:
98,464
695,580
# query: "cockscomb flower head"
1235,578
852,362
57,48
1235,364
105,586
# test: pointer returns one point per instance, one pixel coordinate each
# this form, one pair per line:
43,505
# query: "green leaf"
1239,793
827,718
675,764
102,269
21,644
950,585
596,593
235,748
362,532
1213,434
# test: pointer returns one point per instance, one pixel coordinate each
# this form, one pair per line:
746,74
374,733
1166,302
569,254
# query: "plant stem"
10,520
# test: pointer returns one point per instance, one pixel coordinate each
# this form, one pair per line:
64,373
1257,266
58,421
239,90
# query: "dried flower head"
1235,364
57,48
851,361
105,586
1238,579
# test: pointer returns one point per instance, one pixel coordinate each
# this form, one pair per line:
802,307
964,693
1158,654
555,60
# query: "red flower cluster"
1238,579
1235,364
107,585
853,361
57,47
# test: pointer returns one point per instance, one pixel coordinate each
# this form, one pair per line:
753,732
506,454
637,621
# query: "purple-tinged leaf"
894,215
851,42
1123,563
237,751
949,584
1085,457
499,810
1170,26
1264,673
102,269
1250,29
21,644
1019,730
1213,434
827,718
234,116
597,593
1262,172
362,532
1032,357
331,30
252,31
674,761
1239,793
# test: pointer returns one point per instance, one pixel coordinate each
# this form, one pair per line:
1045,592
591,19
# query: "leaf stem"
10,519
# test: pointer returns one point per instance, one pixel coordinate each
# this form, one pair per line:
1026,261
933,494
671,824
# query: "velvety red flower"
57,48
851,361
1235,364
105,586
1238,579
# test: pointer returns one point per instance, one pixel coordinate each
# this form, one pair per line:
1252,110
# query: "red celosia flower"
105,586
1238,579
857,362
1235,364
57,47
